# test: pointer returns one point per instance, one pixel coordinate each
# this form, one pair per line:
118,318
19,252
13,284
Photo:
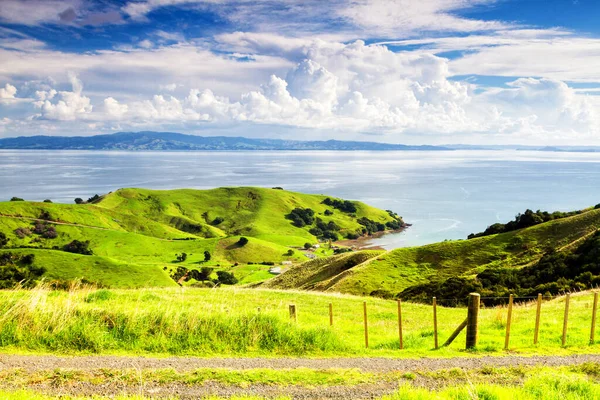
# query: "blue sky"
403,71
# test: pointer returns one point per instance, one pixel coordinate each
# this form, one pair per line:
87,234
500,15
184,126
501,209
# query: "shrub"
78,247
226,278
47,201
207,255
243,241
3,240
217,221
328,212
45,215
22,232
290,253
78,200
16,199
307,246
94,199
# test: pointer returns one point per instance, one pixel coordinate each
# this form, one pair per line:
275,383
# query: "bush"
217,221
342,205
78,200
78,247
307,246
45,215
207,255
328,212
301,216
290,253
22,232
16,199
226,278
94,199
47,201
243,241
3,240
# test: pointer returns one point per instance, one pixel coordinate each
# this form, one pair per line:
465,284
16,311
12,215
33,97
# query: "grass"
143,229
517,383
227,322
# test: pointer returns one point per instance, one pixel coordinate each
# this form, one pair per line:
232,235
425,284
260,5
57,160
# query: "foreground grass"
501,384
227,321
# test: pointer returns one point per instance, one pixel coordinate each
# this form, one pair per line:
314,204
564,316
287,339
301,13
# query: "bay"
444,194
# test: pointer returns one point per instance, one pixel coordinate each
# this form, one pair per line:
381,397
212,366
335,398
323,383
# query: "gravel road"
184,391
36,363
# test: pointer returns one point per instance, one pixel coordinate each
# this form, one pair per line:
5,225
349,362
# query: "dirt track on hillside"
187,391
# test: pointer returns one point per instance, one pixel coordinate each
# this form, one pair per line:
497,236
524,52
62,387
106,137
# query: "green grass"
226,321
137,228
494,384
401,268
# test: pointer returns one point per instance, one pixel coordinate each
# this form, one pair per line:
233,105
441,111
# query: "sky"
396,71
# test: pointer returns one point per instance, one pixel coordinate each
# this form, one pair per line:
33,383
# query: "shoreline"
362,242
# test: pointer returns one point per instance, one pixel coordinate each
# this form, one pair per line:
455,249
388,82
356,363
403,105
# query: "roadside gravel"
37,363
179,390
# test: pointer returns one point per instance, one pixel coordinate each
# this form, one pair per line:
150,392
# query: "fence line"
471,323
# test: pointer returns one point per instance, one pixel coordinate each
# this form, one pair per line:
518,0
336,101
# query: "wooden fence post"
566,320
330,314
473,320
400,324
293,312
594,309
435,328
508,321
537,319
366,325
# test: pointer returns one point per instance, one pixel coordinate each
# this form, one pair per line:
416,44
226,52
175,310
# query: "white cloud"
8,92
68,105
395,18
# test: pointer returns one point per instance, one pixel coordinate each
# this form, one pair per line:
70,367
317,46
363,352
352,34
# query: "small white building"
286,263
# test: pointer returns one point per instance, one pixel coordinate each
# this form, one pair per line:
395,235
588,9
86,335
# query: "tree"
16,199
290,253
243,241
3,240
307,246
47,201
205,273
206,256
78,200
226,278
78,247
181,257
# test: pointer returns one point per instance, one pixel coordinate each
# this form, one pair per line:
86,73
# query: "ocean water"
444,194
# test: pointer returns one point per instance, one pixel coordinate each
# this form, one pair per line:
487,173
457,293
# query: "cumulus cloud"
8,92
64,105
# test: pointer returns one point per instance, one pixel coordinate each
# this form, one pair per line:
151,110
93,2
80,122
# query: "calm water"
445,195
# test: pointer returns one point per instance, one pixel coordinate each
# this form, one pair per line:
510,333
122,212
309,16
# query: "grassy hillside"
145,230
401,268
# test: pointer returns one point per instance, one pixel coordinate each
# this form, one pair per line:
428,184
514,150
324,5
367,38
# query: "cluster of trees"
554,273
325,230
204,275
94,199
301,216
18,269
342,205
525,220
46,231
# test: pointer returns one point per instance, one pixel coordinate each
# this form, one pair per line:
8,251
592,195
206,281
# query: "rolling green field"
227,321
136,234
398,269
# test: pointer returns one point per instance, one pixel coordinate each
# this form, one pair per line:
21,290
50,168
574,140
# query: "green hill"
140,231
394,271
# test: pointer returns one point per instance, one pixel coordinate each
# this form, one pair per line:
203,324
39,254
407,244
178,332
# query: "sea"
445,195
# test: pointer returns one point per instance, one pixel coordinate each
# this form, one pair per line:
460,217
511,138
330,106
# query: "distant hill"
138,141
136,235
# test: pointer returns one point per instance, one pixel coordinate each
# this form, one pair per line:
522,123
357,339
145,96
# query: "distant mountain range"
169,141
176,141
